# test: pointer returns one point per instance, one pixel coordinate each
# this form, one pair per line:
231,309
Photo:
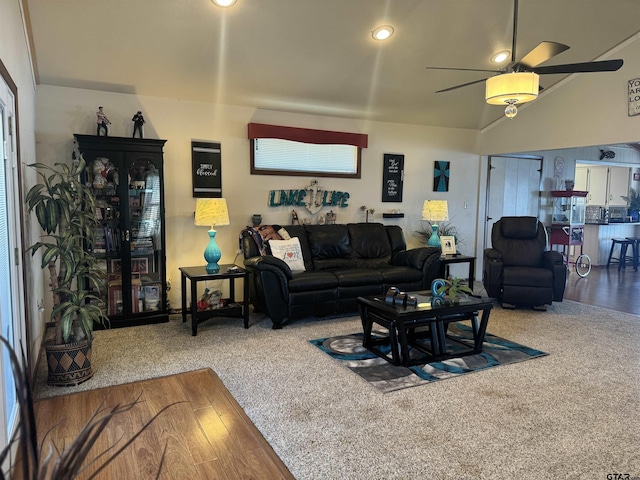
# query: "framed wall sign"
634,97
441,176
207,165
392,177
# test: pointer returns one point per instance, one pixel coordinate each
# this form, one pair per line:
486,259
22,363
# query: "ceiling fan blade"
464,69
586,67
543,52
460,86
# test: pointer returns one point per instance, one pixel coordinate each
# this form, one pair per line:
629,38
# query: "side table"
233,308
446,260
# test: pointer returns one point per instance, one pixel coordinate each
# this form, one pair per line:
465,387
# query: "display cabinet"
567,219
126,176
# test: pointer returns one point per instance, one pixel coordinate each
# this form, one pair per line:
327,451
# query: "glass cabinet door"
103,176
144,235
125,175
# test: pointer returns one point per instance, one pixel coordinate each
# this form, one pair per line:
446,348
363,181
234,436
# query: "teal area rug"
496,351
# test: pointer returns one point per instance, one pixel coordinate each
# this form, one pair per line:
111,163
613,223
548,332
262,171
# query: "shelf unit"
567,220
126,176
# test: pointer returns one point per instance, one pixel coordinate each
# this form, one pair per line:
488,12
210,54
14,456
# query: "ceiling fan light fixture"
224,3
383,32
512,88
501,56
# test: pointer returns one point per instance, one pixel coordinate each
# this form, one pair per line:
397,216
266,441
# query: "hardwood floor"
607,288
208,435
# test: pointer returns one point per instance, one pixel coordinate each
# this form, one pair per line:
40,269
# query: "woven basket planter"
69,364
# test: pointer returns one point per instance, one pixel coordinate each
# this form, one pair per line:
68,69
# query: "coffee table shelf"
409,327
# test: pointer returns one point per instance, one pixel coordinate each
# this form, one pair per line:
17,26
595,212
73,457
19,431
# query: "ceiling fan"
517,82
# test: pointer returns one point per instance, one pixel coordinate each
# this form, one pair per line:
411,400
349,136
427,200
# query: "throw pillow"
290,252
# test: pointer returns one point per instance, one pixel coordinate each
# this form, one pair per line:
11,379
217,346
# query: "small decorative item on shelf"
367,212
330,218
256,219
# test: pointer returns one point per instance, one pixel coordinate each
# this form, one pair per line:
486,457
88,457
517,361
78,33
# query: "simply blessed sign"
313,197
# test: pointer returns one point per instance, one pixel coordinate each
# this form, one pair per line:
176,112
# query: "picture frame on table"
448,245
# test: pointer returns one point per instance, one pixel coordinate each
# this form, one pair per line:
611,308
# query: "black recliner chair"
519,270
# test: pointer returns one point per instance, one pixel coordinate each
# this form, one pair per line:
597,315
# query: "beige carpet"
572,414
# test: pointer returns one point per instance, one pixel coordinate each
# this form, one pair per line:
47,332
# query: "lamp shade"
512,88
211,211
435,210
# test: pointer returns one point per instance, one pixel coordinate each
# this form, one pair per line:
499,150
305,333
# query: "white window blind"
286,155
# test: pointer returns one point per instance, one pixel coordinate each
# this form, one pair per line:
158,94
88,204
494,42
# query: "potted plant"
633,203
451,288
65,209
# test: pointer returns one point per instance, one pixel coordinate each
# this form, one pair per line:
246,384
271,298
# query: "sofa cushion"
351,277
330,246
369,245
312,280
288,251
527,276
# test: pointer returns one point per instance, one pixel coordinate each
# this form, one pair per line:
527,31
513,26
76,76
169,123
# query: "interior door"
514,189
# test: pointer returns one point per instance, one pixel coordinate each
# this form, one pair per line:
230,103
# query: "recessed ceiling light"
500,56
223,3
382,32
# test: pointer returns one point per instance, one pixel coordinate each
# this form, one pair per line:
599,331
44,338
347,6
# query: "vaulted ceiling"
315,56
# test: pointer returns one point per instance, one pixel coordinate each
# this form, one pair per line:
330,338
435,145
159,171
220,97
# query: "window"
277,150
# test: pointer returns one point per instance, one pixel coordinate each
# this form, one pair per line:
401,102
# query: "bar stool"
636,251
621,260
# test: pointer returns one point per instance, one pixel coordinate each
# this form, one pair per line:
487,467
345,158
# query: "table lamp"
435,211
211,212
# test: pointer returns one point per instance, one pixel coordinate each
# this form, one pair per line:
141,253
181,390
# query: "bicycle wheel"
583,265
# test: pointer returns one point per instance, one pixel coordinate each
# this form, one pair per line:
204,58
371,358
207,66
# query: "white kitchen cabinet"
618,186
606,185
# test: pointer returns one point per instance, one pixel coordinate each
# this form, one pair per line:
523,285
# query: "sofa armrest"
271,263
492,272
426,259
269,286
413,258
554,261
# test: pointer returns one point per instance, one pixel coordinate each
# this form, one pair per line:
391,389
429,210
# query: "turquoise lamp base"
212,253
434,239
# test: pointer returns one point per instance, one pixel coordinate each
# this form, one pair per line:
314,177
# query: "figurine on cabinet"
103,122
138,122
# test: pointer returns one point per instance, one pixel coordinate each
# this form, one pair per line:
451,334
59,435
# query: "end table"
233,308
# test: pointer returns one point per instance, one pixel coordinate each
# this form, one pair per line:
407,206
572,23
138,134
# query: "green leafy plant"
452,288
65,209
633,199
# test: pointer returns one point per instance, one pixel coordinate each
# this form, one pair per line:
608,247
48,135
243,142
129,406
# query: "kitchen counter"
597,239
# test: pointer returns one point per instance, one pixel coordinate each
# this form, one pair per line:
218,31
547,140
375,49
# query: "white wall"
64,111
14,53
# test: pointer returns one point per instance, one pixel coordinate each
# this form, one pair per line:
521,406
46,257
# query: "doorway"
514,184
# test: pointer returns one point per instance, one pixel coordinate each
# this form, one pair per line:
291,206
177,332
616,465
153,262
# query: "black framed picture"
206,158
392,177
441,176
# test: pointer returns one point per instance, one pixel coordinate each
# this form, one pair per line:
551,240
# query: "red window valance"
307,135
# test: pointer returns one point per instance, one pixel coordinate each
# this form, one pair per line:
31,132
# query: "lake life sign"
312,197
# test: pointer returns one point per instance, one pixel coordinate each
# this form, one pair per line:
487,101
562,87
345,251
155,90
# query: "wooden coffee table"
412,326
